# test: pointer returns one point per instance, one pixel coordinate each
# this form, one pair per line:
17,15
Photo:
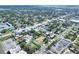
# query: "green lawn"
1,49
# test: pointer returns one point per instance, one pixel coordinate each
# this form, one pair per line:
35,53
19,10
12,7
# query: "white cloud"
39,2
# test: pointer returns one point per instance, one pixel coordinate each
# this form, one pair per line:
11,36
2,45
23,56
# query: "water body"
76,19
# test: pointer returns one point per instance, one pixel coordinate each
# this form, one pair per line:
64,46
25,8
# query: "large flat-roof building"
61,45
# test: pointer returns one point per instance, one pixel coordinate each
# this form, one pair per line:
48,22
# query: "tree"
22,44
46,40
5,31
23,33
77,41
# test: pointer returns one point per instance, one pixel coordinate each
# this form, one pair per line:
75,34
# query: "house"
27,38
18,31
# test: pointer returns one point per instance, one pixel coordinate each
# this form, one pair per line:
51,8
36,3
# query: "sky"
39,2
